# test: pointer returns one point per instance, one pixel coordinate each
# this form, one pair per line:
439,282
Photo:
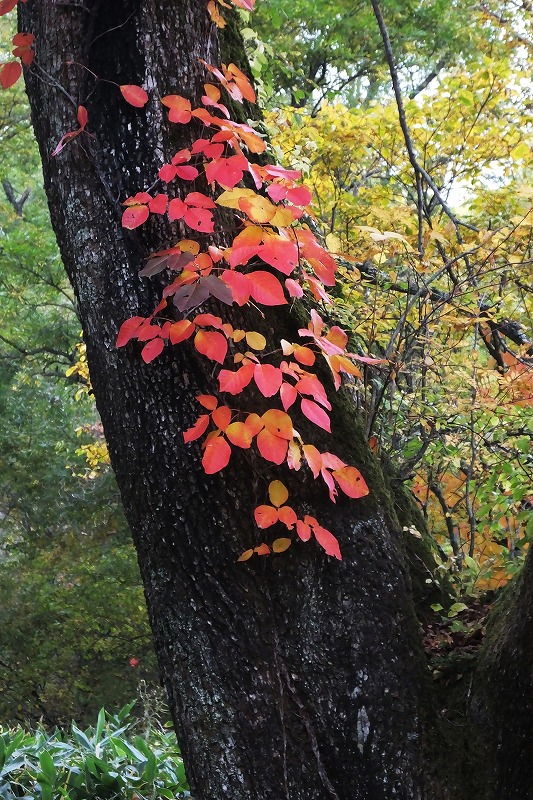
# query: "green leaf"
47,766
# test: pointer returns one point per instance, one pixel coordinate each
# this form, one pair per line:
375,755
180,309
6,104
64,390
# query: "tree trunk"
502,698
295,676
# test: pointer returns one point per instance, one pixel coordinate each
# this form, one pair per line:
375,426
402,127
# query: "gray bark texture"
294,676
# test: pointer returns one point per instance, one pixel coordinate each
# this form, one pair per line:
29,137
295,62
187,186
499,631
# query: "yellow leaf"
231,197
521,150
255,340
246,555
278,493
333,243
280,545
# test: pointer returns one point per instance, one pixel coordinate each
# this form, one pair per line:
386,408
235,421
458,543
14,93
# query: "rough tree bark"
293,677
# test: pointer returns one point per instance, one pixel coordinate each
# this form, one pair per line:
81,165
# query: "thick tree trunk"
290,677
502,697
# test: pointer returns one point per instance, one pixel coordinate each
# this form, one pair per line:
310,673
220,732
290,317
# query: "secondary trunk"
290,677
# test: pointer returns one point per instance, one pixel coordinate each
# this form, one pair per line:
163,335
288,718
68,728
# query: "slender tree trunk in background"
292,677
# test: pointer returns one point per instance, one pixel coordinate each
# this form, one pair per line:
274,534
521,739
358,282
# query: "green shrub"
109,761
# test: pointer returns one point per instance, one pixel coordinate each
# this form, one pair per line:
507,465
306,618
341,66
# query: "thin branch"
418,169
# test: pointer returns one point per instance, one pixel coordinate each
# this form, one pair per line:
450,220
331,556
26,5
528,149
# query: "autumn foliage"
274,259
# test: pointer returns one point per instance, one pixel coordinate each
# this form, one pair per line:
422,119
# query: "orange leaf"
262,550
272,447
221,417
280,545
181,330
239,435
351,482
254,424
207,401
287,515
313,458
216,455
211,344
265,516
278,423
134,95
235,382
180,108
199,427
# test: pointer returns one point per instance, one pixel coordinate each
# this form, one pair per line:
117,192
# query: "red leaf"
303,530
211,344
199,200
326,540
134,95
176,209
287,515
185,173
239,285
293,287
216,455
265,516
147,332
300,196
268,379
167,173
288,395
128,330
208,319
158,205
235,382
200,219
316,414
279,253
181,330
351,482
199,427
262,550
266,289
134,216
152,350
10,73
272,447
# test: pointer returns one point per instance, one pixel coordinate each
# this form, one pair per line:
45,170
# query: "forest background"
451,407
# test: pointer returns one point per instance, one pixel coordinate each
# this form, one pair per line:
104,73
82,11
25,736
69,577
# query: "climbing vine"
275,258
